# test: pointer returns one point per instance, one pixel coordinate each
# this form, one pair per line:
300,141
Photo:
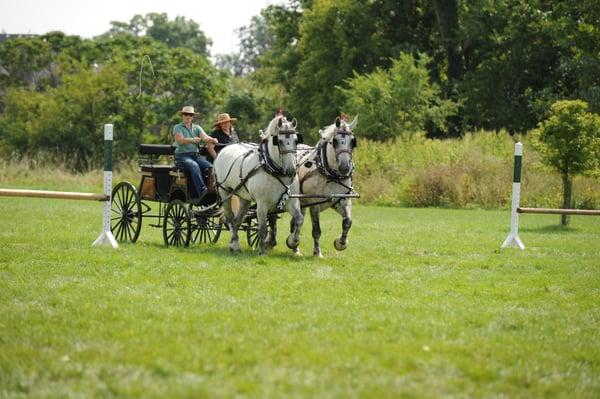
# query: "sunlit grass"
423,303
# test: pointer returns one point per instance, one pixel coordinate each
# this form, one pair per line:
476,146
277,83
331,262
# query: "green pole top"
518,158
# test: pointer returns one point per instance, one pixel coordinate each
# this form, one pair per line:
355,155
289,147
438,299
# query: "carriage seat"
160,179
156,149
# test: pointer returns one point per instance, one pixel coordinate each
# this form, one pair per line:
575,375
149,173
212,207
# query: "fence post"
513,239
106,237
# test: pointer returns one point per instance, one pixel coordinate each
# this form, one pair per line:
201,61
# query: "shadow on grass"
550,229
223,252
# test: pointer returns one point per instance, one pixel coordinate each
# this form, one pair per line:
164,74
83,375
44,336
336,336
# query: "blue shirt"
188,133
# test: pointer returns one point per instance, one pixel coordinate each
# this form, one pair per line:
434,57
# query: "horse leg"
292,229
344,208
261,219
272,238
242,209
316,230
234,243
293,240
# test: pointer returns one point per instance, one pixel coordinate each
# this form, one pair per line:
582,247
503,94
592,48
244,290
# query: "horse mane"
328,132
272,128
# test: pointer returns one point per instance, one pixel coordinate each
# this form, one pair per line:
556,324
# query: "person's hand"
214,140
197,140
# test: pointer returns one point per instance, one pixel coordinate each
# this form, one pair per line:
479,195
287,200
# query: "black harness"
268,165
332,175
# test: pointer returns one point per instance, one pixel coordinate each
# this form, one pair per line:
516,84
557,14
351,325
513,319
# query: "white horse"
325,173
264,174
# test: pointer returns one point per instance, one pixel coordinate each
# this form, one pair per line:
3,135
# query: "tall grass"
475,171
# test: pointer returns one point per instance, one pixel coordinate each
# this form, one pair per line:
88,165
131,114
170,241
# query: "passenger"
187,156
224,134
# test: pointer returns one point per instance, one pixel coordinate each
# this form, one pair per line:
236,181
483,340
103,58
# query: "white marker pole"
513,239
106,237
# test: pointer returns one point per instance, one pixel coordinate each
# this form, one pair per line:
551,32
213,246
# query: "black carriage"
181,216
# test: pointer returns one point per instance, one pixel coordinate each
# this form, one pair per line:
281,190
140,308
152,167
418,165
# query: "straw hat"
188,109
222,118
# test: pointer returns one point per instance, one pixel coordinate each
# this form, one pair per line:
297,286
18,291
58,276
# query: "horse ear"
320,132
280,122
353,123
294,123
338,122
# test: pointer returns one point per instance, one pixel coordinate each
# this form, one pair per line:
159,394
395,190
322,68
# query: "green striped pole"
513,239
106,237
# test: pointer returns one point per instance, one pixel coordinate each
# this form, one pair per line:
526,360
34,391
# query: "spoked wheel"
208,226
126,212
252,231
177,224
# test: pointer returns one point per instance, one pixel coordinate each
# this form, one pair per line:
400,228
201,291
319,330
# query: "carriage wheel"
177,224
126,212
252,232
207,228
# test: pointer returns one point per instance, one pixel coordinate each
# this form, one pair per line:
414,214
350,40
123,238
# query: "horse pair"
282,174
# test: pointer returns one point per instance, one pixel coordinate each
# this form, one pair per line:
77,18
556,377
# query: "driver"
187,155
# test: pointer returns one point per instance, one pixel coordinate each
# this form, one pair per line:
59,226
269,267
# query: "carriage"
183,221
265,189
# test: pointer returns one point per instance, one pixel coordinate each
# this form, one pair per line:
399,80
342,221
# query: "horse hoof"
235,247
318,255
338,244
291,243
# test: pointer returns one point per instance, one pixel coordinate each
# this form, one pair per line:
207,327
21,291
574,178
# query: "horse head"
341,142
282,140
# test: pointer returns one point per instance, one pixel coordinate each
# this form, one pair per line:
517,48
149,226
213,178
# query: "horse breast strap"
274,170
265,160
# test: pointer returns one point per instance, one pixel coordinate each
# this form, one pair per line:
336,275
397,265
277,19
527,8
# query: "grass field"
422,304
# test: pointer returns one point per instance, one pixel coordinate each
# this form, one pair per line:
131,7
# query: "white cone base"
513,241
106,238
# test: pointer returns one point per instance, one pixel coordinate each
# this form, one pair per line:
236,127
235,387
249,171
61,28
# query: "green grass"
423,303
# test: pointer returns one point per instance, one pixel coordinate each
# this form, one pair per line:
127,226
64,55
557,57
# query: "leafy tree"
254,41
523,55
180,32
105,87
396,102
569,142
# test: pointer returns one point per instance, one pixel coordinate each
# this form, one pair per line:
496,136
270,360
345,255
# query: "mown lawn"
423,303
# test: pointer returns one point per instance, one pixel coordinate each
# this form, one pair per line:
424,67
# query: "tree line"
407,67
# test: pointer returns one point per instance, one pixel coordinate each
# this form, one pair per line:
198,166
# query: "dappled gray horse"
325,171
264,174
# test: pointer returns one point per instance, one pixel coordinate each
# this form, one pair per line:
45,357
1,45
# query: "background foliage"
445,68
